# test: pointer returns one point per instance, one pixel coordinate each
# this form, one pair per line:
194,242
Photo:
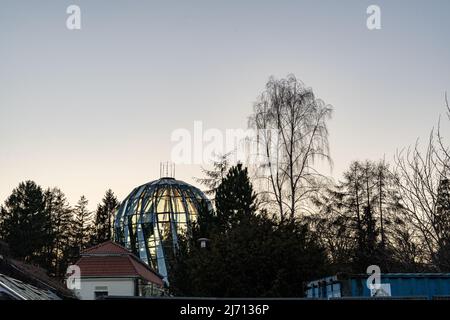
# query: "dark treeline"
40,226
396,215
276,224
293,224
359,222
356,223
249,253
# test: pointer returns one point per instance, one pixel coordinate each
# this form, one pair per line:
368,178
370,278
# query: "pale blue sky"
94,109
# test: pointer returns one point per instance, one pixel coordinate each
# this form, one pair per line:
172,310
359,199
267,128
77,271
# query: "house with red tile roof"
108,269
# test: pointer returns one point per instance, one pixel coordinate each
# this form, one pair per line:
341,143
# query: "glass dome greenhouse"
154,215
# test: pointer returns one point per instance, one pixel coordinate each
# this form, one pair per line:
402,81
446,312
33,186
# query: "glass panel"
153,216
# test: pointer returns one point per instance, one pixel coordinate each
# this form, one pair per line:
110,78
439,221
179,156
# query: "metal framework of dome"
154,215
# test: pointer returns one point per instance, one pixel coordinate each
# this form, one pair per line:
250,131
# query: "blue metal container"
406,285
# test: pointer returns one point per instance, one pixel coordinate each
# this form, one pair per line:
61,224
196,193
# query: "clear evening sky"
92,109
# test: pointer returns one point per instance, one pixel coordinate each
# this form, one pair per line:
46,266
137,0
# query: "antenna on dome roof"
166,169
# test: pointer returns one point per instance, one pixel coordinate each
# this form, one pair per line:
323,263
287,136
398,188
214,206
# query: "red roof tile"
107,247
112,260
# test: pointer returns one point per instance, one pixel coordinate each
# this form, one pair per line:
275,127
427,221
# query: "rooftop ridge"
91,250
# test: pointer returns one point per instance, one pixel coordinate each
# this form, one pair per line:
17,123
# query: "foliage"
249,254
59,213
104,217
25,223
215,175
40,227
82,228
357,219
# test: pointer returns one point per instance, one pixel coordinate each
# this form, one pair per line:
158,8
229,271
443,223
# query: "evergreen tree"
60,213
249,254
81,226
215,176
104,217
235,198
355,217
25,223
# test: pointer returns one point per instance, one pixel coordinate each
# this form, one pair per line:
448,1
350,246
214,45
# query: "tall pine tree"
81,226
235,198
249,254
104,217
60,213
215,176
25,223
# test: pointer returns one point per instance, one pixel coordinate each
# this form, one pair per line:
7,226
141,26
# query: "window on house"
100,292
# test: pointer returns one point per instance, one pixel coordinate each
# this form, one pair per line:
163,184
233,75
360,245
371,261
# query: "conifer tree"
249,253
104,217
215,176
60,214
25,222
81,226
235,198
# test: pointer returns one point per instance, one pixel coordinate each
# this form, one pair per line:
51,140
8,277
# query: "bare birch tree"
291,126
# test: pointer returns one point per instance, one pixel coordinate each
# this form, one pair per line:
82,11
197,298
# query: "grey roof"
14,289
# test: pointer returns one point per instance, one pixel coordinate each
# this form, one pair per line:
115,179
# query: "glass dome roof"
150,220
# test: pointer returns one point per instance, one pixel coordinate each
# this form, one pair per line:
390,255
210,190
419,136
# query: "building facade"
109,269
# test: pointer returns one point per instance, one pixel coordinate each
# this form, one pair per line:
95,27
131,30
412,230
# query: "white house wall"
116,287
